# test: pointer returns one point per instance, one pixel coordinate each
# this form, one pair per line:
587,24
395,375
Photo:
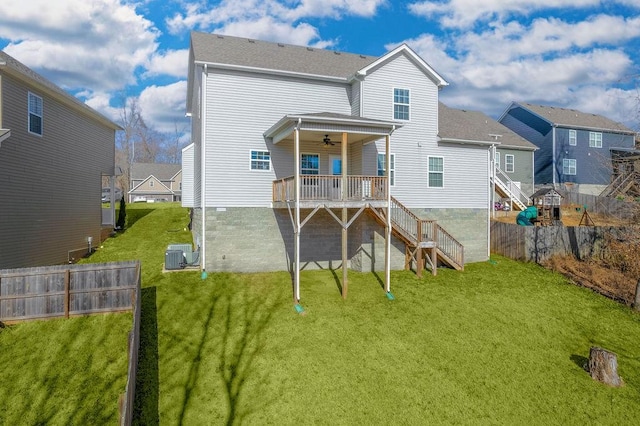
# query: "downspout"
203,152
492,211
553,156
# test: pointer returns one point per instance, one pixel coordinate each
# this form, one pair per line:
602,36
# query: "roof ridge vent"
281,44
336,52
251,40
310,49
220,36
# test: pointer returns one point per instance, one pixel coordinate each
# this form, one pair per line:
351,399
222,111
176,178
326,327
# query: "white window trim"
506,163
251,160
594,139
497,160
310,153
29,113
429,171
392,182
394,103
566,168
573,141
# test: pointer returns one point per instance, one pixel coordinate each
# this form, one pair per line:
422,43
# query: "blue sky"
581,54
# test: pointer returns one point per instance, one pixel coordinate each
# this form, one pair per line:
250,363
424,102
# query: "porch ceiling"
314,127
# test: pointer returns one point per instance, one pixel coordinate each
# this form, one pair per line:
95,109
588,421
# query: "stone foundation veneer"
256,239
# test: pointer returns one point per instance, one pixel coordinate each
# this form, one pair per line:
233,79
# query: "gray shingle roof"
572,117
228,50
161,171
462,124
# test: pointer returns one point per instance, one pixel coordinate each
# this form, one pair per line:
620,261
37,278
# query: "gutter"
269,71
467,142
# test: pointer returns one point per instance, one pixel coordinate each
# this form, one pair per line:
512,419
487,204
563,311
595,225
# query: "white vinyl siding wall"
187,175
235,128
466,167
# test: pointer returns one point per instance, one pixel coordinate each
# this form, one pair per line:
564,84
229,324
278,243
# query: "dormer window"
401,104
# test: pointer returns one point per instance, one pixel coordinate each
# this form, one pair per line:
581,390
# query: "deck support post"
387,228
419,253
296,225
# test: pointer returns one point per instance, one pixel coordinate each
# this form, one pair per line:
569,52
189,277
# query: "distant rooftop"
572,117
460,124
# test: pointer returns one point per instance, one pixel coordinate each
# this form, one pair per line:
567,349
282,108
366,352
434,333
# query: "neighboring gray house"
575,147
310,158
54,152
155,182
513,154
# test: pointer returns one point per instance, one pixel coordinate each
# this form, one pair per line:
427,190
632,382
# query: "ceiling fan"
327,141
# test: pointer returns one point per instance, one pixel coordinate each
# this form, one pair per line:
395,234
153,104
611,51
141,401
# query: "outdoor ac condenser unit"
174,259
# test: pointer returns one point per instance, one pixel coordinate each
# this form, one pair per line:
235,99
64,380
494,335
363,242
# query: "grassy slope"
497,343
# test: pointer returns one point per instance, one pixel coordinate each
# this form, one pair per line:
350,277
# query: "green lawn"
500,343
63,371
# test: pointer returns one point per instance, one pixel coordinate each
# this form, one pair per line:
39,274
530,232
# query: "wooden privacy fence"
622,210
539,243
62,291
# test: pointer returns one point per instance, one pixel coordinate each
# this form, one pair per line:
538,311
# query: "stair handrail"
618,183
426,230
513,189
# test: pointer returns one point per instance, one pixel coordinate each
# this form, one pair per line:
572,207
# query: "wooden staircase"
624,184
507,189
422,236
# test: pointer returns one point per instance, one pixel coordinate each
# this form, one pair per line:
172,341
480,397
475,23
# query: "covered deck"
342,191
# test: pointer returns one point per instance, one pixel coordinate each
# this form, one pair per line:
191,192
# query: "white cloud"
163,107
271,20
77,43
267,28
579,65
172,63
462,14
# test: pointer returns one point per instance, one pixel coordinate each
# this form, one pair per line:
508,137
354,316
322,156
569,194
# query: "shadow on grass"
145,407
233,332
134,215
580,361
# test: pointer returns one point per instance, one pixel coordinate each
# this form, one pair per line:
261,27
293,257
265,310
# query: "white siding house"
309,158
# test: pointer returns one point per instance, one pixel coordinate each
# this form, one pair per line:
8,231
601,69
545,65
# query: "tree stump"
603,366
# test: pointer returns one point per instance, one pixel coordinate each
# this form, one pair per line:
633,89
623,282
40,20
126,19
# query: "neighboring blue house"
575,147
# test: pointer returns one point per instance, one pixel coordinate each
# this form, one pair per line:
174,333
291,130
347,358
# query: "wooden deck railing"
417,230
329,188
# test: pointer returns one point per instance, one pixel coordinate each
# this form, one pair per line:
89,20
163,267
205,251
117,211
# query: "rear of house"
53,156
299,152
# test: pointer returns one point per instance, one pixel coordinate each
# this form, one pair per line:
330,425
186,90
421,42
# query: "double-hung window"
436,172
35,114
569,166
595,140
309,164
509,163
401,104
392,167
573,137
260,160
